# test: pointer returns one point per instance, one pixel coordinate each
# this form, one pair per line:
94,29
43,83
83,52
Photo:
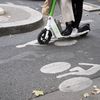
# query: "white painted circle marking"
65,43
75,84
56,67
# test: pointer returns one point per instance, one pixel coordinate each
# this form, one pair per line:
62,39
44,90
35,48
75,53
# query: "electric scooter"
54,29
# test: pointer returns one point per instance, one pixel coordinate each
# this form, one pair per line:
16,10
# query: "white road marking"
75,84
80,71
65,43
56,67
90,7
56,43
35,42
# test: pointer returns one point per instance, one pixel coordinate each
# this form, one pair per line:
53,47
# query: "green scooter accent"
53,4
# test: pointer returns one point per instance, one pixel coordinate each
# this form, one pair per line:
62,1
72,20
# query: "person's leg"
46,7
67,11
68,16
78,10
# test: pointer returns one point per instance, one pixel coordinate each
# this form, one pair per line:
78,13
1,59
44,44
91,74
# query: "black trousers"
78,10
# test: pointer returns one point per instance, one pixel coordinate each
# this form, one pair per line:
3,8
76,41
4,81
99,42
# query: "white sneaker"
74,32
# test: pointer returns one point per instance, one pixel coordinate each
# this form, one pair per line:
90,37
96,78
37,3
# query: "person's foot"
68,30
84,28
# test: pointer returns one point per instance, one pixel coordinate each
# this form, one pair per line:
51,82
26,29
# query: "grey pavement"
20,67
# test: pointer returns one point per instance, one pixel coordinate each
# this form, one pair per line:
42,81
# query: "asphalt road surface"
21,59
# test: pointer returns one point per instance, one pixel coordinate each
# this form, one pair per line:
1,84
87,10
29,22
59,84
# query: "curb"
21,23
20,29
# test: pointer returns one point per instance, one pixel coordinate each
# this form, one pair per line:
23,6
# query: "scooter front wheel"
44,37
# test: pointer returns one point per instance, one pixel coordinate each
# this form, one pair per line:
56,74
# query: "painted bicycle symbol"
76,83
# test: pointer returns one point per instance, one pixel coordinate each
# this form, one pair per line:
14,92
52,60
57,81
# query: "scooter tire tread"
46,40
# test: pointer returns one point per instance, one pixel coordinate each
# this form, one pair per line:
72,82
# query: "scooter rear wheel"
44,37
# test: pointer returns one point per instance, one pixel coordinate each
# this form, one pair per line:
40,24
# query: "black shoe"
68,30
84,28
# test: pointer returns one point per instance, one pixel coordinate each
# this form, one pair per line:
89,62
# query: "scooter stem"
52,8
